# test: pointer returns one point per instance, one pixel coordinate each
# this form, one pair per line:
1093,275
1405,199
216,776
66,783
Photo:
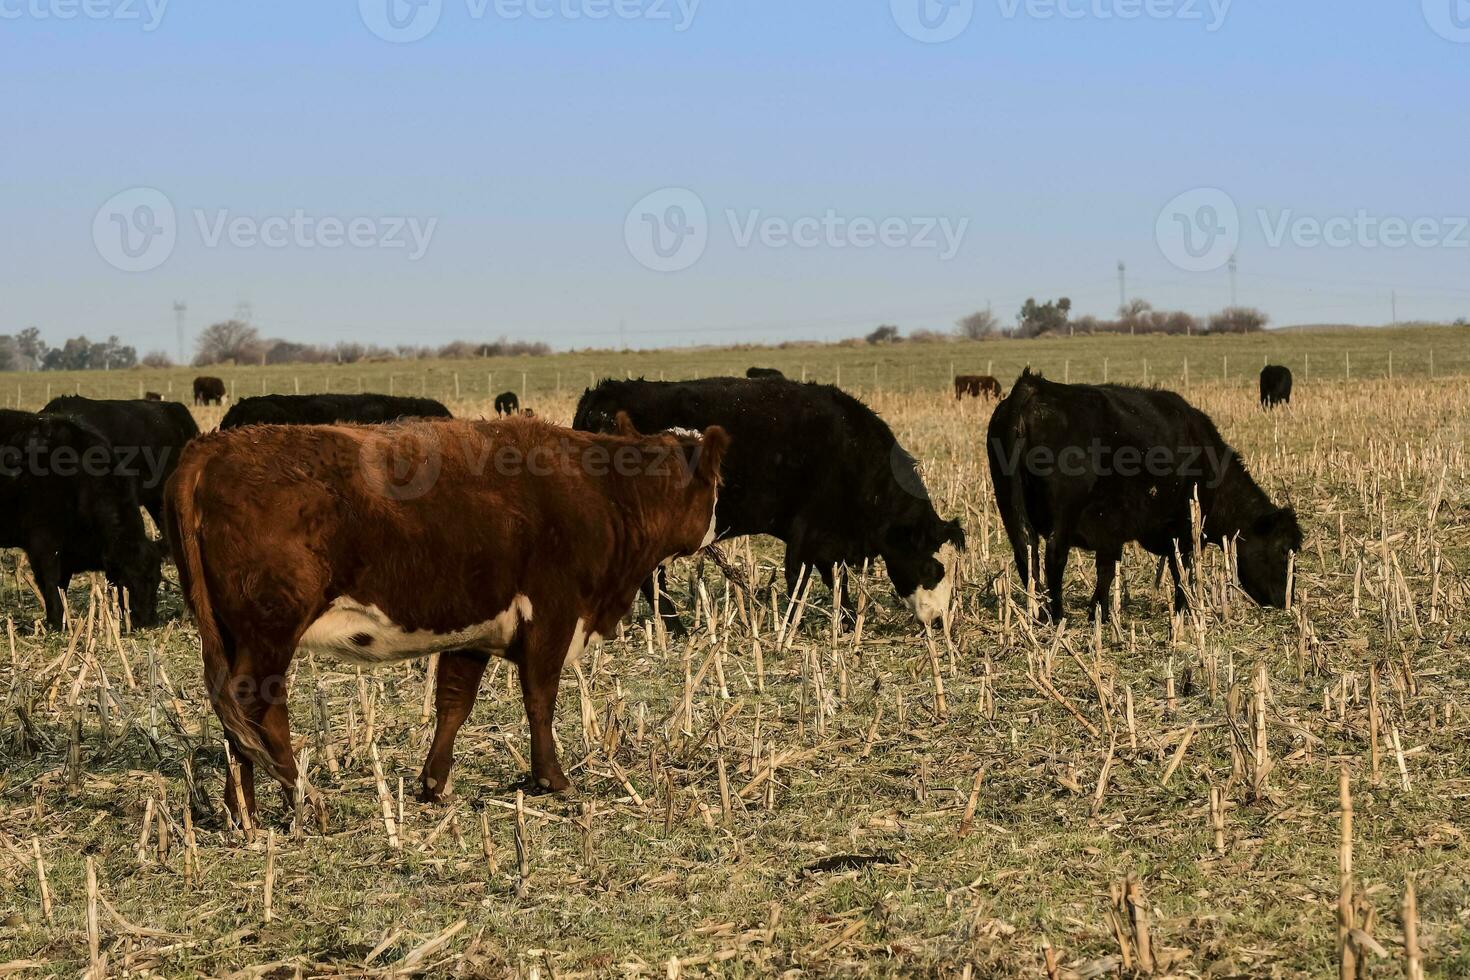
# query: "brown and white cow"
375,544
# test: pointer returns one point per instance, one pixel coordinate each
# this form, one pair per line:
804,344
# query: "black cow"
1275,386
506,403
808,464
1097,466
147,438
62,504
328,410
208,390
756,372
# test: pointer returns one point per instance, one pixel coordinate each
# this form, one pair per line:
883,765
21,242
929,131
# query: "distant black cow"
756,372
62,504
152,396
1097,466
1275,386
147,438
506,403
808,464
208,391
328,409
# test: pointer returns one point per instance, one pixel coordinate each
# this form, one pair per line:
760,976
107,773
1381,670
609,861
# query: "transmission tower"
1122,285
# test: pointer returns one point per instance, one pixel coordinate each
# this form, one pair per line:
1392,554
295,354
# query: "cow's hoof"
553,782
431,791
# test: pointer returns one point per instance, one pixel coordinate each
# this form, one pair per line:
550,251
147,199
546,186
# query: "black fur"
808,464
1275,386
506,403
1062,461
147,438
61,503
328,409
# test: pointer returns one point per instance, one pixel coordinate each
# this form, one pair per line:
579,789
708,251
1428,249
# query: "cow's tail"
1007,449
184,532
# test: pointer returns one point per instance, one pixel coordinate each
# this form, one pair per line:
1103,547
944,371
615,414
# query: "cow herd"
307,525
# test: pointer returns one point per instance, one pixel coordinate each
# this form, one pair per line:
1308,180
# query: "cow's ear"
712,452
624,425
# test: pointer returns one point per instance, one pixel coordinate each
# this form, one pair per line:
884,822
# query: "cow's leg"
455,689
1057,548
258,681
544,647
655,591
45,562
1107,569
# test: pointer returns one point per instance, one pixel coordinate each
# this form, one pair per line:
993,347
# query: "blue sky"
1048,139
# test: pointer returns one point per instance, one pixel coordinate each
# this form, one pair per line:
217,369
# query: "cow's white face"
929,604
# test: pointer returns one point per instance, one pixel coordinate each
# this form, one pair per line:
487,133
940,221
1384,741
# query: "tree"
1238,319
980,325
1036,319
31,348
228,341
886,334
157,359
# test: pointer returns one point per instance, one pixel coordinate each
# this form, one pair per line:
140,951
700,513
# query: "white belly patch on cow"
366,636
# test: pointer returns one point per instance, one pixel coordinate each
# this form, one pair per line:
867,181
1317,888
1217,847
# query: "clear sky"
851,166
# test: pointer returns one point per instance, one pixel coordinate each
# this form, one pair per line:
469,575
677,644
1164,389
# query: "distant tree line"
28,351
239,343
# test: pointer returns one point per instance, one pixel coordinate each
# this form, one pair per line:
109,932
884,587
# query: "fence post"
1347,365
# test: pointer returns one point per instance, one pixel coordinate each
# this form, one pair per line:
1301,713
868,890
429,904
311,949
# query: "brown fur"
976,385
270,524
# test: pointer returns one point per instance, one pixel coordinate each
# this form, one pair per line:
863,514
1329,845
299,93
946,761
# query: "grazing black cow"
1097,466
62,504
1275,386
328,410
808,464
208,390
147,439
506,403
756,372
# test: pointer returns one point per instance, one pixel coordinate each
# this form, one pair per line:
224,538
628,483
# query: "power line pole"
180,309
1394,302
1233,267
1122,285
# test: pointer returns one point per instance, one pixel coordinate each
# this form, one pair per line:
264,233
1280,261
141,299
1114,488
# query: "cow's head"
1263,552
921,560
700,456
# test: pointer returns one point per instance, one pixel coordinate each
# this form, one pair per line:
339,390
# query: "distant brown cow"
976,385
152,396
514,538
208,391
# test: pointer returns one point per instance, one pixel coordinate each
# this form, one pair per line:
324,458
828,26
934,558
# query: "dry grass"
1056,808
